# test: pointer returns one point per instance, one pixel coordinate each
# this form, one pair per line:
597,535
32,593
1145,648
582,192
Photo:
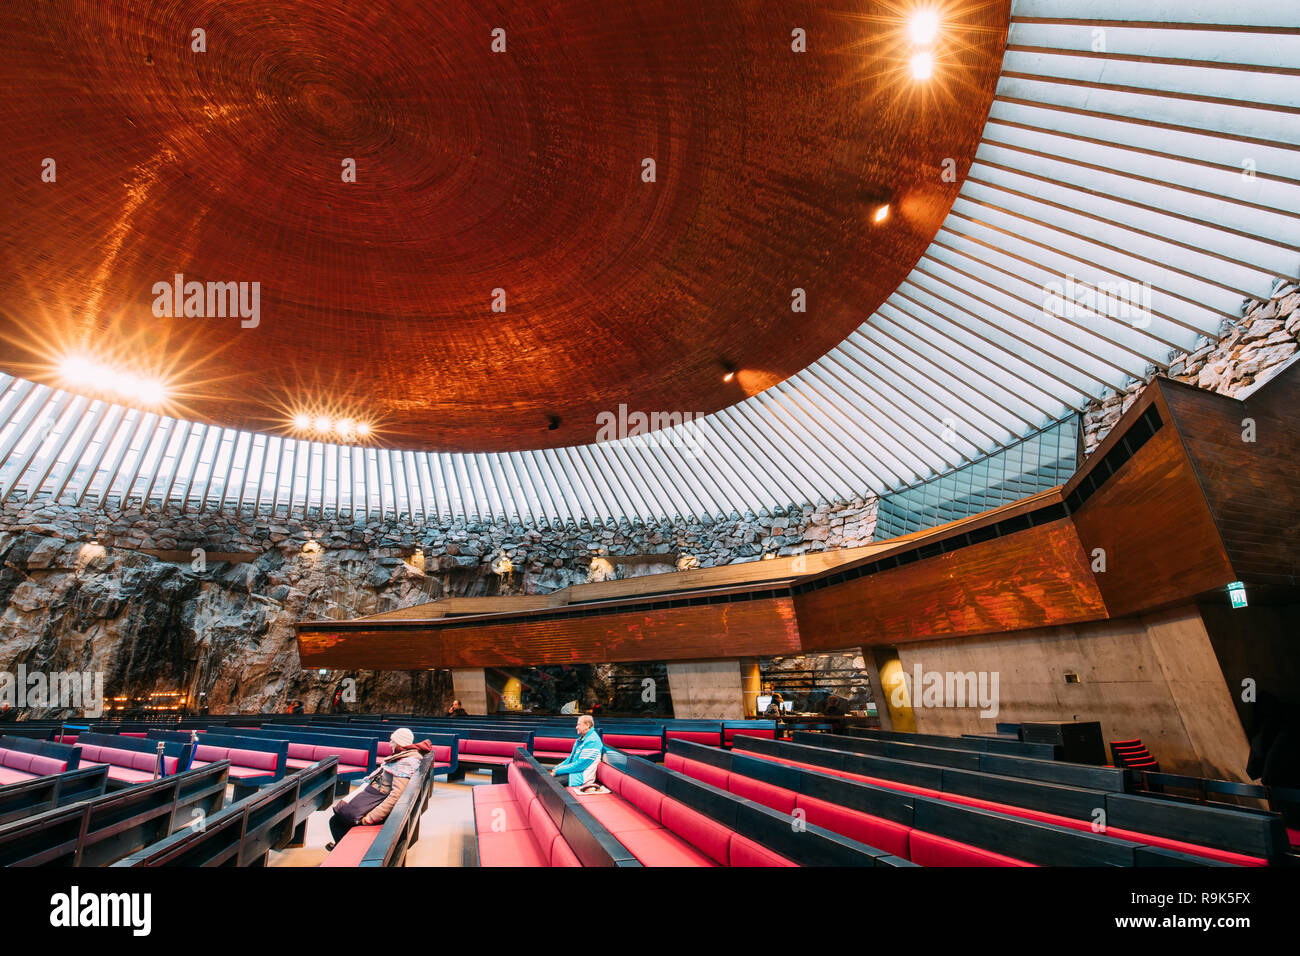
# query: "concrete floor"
446,834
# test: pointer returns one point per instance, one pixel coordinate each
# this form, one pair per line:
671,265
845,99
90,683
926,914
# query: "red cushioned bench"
445,756
17,766
386,843
492,755
663,831
246,766
353,847
888,835
897,839
353,761
729,734
1150,839
639,745
514,828
553,748
710,738
126,766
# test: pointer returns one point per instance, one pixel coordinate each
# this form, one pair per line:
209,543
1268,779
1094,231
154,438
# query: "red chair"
1133,755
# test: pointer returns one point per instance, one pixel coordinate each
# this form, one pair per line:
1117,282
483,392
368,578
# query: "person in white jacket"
584,759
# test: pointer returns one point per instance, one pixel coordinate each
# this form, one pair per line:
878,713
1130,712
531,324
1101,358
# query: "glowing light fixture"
881,213
922,65
923,28
346,429
83,373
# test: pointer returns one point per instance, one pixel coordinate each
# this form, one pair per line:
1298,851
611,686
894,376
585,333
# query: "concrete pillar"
709,690
469,685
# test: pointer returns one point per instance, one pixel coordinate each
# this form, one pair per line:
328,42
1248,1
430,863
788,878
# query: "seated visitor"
580,768
773,708
375,801
456,710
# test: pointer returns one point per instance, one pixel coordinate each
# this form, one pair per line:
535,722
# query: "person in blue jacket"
584,759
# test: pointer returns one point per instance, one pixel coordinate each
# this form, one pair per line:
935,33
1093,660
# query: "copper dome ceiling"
475,171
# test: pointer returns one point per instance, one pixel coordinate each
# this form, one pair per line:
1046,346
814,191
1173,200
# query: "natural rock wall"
1247,352
78,593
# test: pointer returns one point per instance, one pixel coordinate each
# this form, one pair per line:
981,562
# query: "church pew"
356,755
669,819
1240,837
104,829
28,797
254,762
981,743
24,758
1049,771
386,844
445,749
244,833
132,760
533,820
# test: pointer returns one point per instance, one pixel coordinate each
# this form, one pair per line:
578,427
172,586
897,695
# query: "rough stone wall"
77,592
843,673
1247,352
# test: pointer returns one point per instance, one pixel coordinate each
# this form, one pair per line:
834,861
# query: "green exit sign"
1237,592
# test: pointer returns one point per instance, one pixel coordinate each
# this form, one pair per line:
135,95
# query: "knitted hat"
402,737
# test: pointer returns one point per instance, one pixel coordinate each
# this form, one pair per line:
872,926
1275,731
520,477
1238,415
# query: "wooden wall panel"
759,627
1251,486
1031,578
1155,527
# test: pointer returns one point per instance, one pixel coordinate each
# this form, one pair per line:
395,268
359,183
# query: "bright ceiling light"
922,65
326,426
83,373
881,213
77,371
924,27
151,393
